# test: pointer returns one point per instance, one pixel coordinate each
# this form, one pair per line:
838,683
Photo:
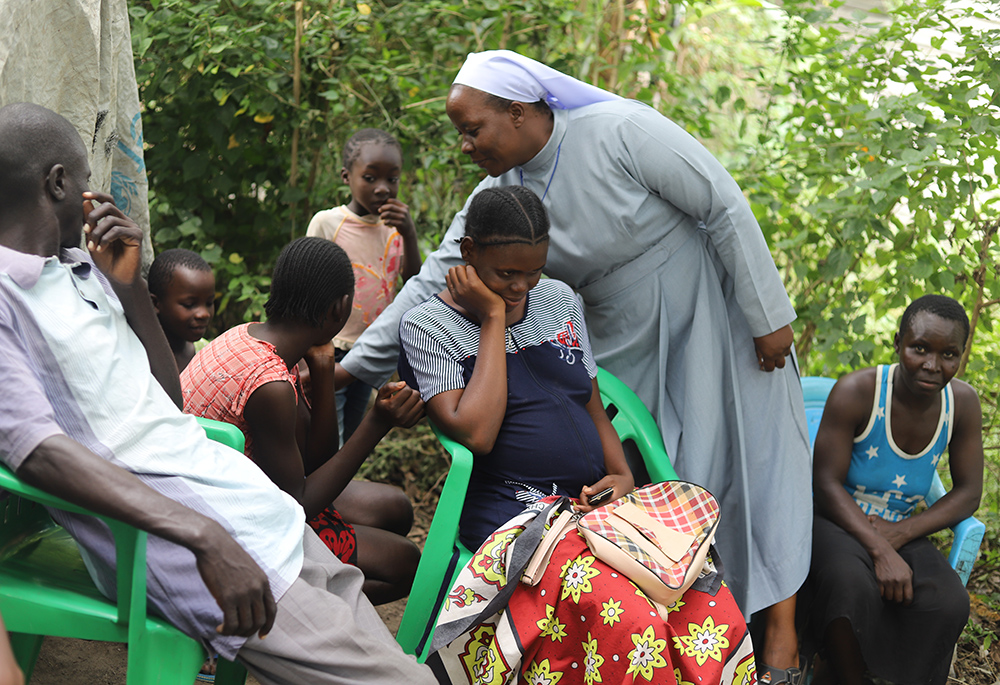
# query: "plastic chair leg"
26,648
230,672
162,658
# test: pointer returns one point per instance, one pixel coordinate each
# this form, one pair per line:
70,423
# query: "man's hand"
238,584
773,348
399,404
65,468
113,239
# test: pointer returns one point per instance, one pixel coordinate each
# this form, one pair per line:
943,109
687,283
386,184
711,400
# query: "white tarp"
75,57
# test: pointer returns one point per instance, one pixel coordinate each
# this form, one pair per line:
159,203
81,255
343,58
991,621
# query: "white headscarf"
511,76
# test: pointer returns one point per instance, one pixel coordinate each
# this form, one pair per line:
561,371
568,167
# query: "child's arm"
271,415
10,672
115,242
322,437
473,415
396,214
619,474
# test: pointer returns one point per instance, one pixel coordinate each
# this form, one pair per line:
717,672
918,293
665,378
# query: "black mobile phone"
600,497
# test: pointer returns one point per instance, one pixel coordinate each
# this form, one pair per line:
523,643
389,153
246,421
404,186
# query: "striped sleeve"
556,317
26,414
431,351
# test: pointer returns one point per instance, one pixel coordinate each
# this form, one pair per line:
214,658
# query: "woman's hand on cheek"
471,294
622,486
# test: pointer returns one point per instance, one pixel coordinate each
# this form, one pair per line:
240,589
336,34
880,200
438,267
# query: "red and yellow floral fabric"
586,623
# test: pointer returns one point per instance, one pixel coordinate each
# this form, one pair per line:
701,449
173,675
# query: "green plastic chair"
635,426
46,590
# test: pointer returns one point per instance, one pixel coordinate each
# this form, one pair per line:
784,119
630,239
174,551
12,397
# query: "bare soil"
81,662
66,661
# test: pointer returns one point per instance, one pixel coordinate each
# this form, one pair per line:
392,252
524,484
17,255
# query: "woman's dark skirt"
903,644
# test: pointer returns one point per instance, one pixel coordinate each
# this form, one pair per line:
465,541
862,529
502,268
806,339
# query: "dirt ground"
64,661
81,662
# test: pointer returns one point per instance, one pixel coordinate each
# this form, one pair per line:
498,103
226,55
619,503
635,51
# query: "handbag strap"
540,559
710,584
524,548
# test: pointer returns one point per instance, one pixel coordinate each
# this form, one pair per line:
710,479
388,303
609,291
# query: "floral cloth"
586,623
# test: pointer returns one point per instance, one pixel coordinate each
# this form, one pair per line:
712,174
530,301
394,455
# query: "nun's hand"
773,348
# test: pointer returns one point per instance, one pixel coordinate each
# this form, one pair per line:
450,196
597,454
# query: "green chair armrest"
130,546
439,546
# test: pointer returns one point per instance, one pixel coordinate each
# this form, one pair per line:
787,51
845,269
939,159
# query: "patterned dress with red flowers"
217,385
584,622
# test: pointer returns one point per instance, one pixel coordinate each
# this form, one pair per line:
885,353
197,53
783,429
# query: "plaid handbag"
658,536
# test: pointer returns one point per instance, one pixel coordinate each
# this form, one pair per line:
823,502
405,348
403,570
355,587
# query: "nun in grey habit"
682,298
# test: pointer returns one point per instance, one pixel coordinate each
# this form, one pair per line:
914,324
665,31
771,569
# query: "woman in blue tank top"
880,597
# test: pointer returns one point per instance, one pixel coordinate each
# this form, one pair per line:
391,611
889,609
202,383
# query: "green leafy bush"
867,156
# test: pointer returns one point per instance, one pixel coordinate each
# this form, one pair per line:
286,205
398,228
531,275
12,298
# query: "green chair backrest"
225,433
46,590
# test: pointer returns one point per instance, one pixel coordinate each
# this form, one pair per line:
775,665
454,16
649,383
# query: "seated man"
83,415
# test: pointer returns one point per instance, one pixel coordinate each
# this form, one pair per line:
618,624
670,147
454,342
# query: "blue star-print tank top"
883,479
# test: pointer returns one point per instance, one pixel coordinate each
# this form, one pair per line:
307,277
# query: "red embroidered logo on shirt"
567,341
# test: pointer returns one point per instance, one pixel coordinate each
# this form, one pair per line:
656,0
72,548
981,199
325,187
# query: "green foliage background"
868,159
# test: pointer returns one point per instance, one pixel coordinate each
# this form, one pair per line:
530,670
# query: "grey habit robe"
676,279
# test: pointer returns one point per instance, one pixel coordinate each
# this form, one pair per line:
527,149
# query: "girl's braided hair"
352,148
309,276
506,215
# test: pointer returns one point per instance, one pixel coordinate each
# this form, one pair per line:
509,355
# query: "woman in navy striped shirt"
503,363
509,373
